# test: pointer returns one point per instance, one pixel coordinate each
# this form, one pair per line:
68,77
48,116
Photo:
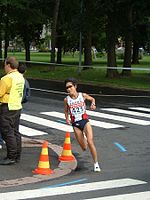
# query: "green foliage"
24,20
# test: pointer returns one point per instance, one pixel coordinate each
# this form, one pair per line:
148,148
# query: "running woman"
75,107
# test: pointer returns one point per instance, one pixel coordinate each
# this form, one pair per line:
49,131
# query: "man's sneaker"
97,167
1,146
17,159
7,161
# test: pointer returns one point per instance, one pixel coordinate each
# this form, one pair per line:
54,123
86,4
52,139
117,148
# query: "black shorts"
80,124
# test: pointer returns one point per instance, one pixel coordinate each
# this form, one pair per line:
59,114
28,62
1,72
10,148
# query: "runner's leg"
89,134
80,138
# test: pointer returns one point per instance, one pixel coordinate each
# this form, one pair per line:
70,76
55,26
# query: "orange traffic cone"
43,166
66,153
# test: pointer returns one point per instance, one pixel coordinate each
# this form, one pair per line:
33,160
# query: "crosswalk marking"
64,127
140,108
118,118
118,110
87,187
133,196
30,131
93,122
47,123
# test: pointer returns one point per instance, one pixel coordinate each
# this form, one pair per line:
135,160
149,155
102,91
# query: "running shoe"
97,167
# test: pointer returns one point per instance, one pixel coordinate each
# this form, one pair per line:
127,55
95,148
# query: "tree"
128,42
53,30
140,29
110,11
1,24
29,23
135,13
111,46
24,18
67,29
87,31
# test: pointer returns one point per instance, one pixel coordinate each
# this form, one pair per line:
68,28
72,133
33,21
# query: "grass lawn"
140,79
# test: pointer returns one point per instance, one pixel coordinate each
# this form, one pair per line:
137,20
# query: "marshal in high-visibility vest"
11,93
16,91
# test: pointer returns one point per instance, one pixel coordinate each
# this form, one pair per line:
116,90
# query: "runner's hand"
68,121
93,106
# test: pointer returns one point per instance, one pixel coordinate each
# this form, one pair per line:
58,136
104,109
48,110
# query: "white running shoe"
1,146
97,167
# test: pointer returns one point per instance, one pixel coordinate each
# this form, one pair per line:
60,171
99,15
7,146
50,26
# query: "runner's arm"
66,110
91,99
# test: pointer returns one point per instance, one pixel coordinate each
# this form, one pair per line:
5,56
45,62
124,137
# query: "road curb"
89,88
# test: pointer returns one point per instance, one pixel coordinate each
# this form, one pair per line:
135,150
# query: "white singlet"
77,107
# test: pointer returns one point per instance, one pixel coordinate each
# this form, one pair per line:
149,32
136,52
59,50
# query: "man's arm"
3,88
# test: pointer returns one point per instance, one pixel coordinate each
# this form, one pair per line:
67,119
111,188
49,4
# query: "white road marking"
140,108
64,127
118,118
93,122
134,196
30,131
117,110
87,187
47,123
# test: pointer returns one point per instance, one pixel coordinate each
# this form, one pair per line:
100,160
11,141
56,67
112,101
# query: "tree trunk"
6,46
6,39
27,50
59,55
111,60
111,53
135,54
86,7
127,57
1,56
59,46
53,32
128,45
87,50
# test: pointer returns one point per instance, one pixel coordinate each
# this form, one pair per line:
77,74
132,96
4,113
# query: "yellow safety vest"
16,91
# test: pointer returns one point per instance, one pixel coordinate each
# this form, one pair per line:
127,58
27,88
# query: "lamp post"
80,39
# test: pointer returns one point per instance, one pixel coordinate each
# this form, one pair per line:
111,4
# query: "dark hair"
22,68
72,80
12,61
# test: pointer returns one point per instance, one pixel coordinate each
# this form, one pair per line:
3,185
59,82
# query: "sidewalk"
21,173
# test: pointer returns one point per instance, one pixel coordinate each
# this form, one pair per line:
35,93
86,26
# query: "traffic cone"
67,153
43,166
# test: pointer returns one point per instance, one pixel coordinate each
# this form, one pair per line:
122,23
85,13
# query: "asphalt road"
123,152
